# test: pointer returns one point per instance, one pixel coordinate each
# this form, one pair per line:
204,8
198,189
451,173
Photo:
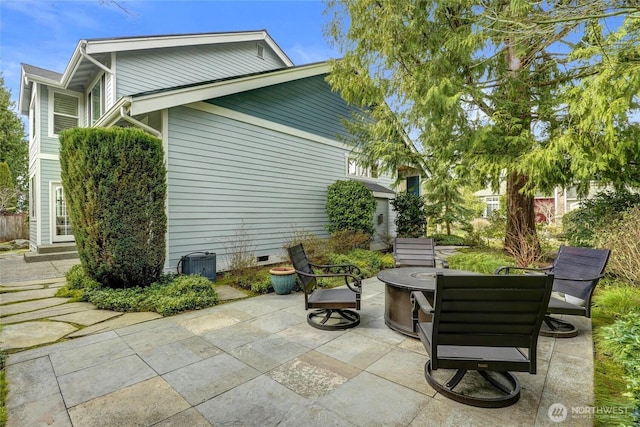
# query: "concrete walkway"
257,362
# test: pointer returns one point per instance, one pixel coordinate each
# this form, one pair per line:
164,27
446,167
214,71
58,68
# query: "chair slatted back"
301,264
492,311
579,263
416,252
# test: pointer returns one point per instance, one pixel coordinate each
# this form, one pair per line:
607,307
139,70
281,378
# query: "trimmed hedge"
114,184
350,207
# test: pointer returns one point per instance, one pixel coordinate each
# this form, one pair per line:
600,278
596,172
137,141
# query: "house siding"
227,178
289,104
141,71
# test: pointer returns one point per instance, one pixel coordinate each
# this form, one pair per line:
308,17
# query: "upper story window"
95,101
354,169
65,112
260,51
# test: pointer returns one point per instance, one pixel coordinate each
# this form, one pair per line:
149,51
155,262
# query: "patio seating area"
258,362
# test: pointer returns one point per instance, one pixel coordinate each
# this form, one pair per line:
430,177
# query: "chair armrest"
507,269
341,268
598,277
420,302
356,286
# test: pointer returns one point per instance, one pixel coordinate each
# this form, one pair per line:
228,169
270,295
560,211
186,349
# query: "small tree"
350,207
411,215
114,183
14,149
7,189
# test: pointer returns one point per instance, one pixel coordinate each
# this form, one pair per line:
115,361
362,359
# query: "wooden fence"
13,226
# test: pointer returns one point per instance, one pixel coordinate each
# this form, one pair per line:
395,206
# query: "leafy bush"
182,293
369,262
411,215
480,262
350,206
346,240
317,249
171,294
620,342
580,226
114,184
622,236
449,240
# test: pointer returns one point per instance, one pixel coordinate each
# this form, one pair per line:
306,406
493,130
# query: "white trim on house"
153,42
165,148
48,156
79,116
159,101
54,238
267,124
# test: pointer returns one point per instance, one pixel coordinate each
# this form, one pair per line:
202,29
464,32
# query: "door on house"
381,224
62,231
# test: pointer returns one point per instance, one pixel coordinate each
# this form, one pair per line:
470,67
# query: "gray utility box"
203,264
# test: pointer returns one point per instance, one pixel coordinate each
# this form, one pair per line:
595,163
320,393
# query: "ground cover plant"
616,325
170,295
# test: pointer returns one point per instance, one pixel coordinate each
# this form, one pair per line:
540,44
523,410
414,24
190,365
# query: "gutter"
126,117
83,53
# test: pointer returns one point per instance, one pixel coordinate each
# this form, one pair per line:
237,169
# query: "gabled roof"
187,94
90,51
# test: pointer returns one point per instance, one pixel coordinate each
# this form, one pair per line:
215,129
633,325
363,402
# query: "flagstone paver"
23,307
47,313
29,334
10,297
126,319
87,317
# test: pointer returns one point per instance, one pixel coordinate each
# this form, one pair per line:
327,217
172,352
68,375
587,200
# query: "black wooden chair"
577,272
415,252
331,305
487,324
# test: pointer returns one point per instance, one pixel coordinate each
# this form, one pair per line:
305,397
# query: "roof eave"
183,96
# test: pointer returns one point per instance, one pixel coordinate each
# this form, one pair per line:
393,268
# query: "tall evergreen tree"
14,149
498,87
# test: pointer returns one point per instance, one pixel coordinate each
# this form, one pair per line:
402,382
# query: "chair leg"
557,328
510,391
333,319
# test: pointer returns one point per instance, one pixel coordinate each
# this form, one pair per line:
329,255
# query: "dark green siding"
306,104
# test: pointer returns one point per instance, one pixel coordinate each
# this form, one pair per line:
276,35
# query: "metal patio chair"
487,324
577,272
331,306
416,252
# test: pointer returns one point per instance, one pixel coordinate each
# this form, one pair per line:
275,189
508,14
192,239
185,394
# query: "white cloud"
300,54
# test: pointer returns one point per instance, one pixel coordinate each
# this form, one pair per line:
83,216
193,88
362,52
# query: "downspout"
128,118
83,53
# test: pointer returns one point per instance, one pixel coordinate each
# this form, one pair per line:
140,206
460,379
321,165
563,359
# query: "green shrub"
480,262
350,206
580,226
411,215
369,262
344,241
114,184
387,261
449,240
316,248
620,342
169,295
182,293
622,236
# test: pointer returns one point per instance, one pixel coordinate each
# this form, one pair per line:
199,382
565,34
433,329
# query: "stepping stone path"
31,315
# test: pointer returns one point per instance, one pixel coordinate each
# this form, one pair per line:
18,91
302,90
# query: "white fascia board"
160,101
112,115
155,42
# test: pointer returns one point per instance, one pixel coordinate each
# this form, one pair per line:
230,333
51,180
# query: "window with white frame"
95,101
493,204
355,169
65,112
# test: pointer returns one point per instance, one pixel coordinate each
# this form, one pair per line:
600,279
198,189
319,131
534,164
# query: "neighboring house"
251,141
547,208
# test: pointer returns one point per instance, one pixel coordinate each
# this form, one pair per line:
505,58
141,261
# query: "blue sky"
44,33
